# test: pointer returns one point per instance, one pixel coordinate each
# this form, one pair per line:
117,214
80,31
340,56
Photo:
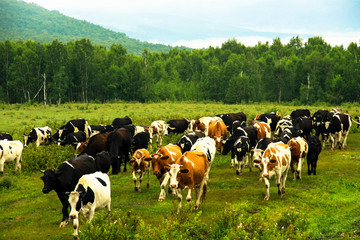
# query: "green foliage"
5,183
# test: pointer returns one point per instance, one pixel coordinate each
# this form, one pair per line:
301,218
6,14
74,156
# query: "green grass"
325,206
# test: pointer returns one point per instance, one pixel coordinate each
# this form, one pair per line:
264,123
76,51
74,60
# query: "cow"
228,145
74,139
139,129
186,142
287,134
202,124
72,126
120,122
303,125
6,136
165,155
263,129
118,145
140,166
314,149
218,131
40,135
158,128
300,113
281,125
96,129
96,144
318,122
10,151
275,161
237,124
242,149
131,128
258,151
299,149
338,128
337,110
139,141
206,145
270,118
190,170
178,126
91,193
67,175
230,118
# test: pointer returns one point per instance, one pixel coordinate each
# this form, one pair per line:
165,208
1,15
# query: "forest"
303,72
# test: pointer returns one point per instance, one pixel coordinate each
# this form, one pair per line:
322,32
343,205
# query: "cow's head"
75,203
226,146
184,143
158,162
48,179
257,155
138,162
175,172
26,140
268,163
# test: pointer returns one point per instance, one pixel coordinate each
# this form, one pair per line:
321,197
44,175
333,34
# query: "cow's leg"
148,177
298,170
267,185
201,192
76,227
188,196
308,165
150,144
164,183
345,138
65,205
284,176
239,166
293,169
160,139
134,179
115,165
278,182
18,164
126,160
140,180
91,213
249,159
179,195
232,158
2,163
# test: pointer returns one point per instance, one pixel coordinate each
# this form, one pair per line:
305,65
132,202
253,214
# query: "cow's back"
197,161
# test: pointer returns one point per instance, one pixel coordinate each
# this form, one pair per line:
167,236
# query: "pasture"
325,206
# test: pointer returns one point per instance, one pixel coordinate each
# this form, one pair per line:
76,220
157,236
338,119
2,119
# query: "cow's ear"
164,157
132,160
257,161
147,159
272,161
184,170
167,168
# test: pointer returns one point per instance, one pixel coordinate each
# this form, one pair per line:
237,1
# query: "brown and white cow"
202,124
191,170
140,166
158,128
299,148
275,161
217,131
263,129
164,156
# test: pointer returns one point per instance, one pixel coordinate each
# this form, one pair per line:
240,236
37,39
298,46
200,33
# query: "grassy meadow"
325,206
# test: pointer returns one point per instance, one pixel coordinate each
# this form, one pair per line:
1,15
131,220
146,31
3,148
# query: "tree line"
79,71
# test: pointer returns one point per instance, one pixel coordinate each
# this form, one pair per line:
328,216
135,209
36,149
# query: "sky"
204,23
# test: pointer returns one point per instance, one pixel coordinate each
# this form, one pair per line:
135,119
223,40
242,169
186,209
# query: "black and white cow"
178,125
6,136
10,151
40,135
74,139
140,140
67,175
338,128
242,149
270,118
303,125
91,193
314,149
287,134
318,120
119,146
229,118
185,142
72,126
300,113
228,145
281,125
120,122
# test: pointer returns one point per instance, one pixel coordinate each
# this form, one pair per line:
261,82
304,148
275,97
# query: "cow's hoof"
136,189
161,199
196,207
283,191
238,172
147,185
64,223
266,198
139,189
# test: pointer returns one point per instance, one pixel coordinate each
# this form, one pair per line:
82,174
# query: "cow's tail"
354,121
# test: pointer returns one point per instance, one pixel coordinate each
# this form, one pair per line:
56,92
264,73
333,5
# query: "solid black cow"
300,113
7,136
131,128
139,141
120,122
72,126
229,118
66,176
270,118
303,125
178,125
74,139
314,149
185,142
119,146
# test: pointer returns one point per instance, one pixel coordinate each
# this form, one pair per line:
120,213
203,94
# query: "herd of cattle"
271,143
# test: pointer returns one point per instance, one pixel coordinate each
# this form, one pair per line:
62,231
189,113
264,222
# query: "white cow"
91,193
158,128
10,151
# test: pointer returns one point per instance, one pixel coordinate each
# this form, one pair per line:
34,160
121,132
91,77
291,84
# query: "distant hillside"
23,21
